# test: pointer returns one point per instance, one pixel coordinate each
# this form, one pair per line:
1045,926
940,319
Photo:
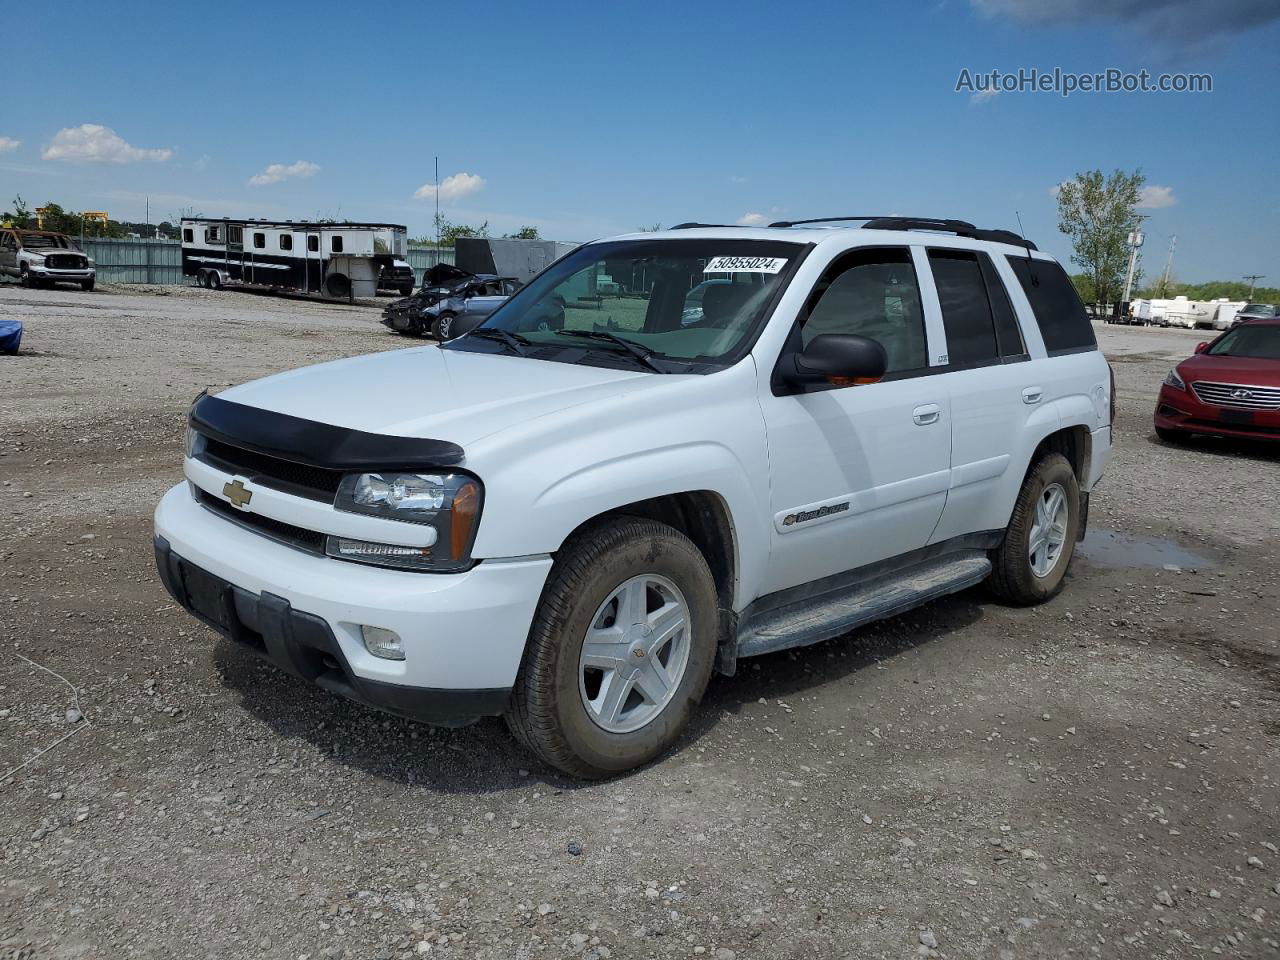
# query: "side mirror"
840,359
1202,347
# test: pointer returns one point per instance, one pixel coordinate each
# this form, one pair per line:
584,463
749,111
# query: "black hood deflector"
316,444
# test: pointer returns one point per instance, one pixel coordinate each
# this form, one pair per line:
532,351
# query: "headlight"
195,443
449,502
1175,381
37,258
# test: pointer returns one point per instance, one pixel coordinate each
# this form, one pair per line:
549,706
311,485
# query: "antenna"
1035,281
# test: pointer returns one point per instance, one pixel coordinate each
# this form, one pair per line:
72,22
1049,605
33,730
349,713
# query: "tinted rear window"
1064,324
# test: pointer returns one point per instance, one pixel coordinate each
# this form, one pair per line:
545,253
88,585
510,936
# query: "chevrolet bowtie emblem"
235,492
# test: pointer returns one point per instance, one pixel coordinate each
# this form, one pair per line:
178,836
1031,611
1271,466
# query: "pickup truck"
41,258
575,513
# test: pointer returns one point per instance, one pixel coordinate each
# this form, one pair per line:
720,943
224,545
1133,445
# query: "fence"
136,261
160,261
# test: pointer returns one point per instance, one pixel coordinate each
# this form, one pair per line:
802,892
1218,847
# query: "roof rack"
961,228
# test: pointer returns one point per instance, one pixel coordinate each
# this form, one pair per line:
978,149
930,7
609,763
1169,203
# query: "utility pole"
1136,240
437,209
1253,279
1168,265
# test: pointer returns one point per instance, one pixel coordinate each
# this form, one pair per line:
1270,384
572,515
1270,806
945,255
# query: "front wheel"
442,326
87,285
620,651
1031,563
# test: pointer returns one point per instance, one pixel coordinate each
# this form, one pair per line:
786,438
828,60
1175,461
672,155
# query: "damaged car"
447,292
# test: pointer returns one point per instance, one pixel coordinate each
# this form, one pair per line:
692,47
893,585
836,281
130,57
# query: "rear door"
858,473
8,253
992,385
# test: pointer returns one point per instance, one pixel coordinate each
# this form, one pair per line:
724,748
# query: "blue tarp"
10,335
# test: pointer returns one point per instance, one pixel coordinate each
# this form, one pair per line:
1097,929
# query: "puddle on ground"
1116,550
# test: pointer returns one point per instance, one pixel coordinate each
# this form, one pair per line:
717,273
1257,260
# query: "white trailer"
335,260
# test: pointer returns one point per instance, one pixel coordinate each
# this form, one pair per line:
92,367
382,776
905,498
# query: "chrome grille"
64,261
1237,395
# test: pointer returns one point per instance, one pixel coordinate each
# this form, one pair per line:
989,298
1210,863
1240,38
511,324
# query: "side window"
335,244
188,235
871,293
235,234
966,311
212,234
259,241
1059,313
313,243
1008,333
286,241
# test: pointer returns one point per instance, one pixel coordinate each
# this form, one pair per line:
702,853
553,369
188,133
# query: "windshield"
1260,341
684,300
33,241
1259,309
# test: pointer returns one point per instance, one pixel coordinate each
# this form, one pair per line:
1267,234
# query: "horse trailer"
334,260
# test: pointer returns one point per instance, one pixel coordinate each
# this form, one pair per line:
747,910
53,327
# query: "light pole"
1136,239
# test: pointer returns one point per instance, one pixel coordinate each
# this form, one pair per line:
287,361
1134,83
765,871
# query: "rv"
337,260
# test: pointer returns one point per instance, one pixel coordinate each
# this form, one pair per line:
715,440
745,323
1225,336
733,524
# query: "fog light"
382,643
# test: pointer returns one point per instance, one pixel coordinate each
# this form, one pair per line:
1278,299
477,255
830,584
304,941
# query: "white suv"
576,512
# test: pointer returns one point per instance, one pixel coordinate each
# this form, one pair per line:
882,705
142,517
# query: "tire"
1172,436
215,280
87,285
406,291
442,325
1014,579
337,285
550,713
27,280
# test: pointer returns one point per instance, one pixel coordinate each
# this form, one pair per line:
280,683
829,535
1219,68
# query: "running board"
827,615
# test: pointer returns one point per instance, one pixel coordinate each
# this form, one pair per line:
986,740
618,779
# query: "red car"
1229,388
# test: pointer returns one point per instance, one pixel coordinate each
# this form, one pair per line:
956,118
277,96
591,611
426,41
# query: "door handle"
1032,395
927,414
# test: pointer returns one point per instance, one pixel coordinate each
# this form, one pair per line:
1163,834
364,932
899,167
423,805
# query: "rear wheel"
620,651
1031,563
215,280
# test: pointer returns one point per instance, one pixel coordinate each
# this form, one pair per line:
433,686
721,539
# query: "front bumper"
66,276
1182,410
464,634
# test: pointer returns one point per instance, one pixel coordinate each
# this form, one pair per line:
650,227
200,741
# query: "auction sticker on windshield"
745,265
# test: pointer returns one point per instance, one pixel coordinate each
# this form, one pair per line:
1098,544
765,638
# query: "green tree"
524,233
449,232
1097,212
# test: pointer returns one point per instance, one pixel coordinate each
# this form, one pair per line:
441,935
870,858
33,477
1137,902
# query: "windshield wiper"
643,354
513,340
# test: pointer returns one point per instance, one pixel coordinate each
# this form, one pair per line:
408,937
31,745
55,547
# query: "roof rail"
693,223
961,228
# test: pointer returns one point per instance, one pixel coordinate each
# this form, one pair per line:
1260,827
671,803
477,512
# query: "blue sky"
592,119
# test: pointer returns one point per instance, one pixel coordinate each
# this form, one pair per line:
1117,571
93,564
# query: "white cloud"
752,220
1155,196
8,143
982,96
451,188
276,172
94,143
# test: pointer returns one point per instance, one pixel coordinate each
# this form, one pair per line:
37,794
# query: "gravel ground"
1094,777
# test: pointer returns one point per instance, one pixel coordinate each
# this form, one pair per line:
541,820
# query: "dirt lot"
1095,777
